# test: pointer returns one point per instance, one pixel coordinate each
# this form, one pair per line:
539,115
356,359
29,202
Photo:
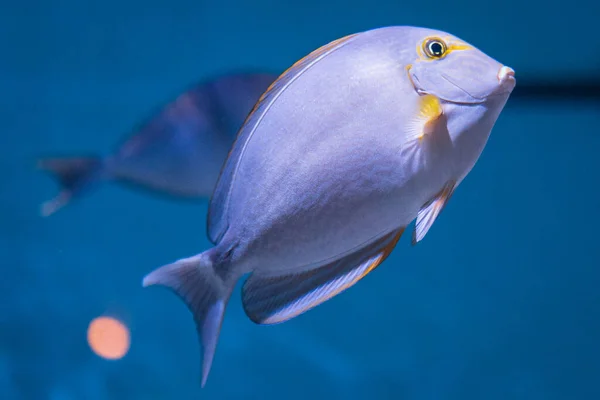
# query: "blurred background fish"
179,151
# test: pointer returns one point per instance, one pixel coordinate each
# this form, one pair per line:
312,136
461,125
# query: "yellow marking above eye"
435,48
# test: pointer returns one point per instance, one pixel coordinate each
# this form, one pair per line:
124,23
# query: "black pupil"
436,48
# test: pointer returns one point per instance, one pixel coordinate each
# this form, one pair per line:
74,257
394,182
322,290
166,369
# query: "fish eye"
434,48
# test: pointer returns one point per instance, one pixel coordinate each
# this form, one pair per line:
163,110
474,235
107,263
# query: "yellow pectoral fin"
426,135
428,113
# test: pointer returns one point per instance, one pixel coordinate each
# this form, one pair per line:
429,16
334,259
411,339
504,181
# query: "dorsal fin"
217,212
275,299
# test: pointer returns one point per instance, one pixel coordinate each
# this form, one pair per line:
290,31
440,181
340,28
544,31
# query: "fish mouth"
504,89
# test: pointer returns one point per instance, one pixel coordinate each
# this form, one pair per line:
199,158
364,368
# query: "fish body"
178,151
338,157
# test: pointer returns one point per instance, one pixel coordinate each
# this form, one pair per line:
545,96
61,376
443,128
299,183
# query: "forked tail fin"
206,295
73,174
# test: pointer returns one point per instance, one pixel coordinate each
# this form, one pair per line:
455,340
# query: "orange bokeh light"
108,338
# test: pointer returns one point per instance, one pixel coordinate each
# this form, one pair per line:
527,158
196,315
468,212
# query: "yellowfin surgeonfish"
344,150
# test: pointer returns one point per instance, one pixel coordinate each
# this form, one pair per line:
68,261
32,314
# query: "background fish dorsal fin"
217,212
275,299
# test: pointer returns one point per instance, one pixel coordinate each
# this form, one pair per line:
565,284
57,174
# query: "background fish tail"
74,174
204,292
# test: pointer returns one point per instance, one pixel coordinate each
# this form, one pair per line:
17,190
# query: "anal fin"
275,299
430,211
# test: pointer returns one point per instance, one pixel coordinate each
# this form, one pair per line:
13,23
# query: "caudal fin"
73,174
194,280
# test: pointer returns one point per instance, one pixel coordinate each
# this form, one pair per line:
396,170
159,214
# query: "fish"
345,149
178,150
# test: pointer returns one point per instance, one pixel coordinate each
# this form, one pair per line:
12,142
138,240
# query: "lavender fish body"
179,151
338,157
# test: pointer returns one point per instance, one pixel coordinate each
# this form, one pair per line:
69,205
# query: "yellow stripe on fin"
304,61
294,71
275,299
218,217
430,211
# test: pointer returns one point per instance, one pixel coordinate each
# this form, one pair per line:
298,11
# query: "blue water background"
501,300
